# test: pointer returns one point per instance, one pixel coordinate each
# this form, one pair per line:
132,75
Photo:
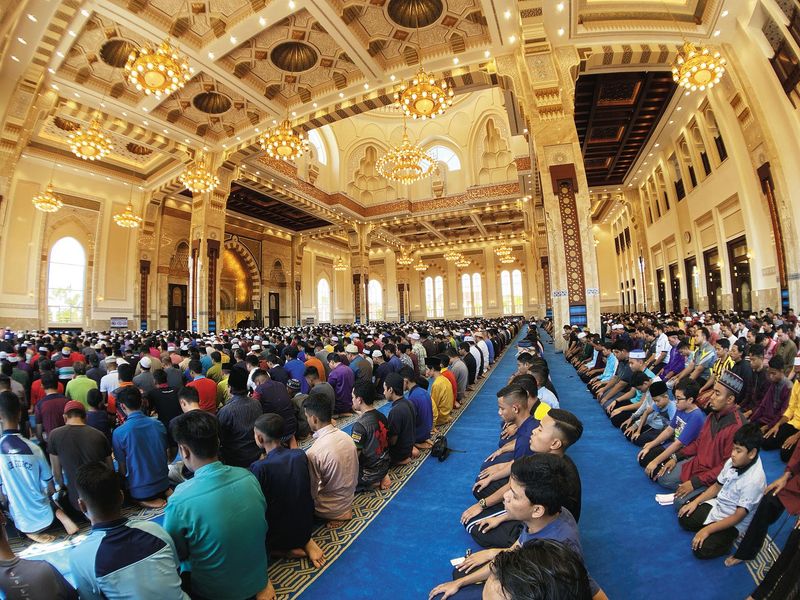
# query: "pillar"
144,272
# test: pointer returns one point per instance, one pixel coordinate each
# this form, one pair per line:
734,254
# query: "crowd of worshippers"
184,422
527,496
702,395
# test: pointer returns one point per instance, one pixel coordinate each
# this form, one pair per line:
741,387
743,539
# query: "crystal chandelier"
198,178
47,201
128,219
420,266
404,260
340,265
463,262
405,163
89,143
452,256
502,251
424,97
158,71
283,143
507,259
698,68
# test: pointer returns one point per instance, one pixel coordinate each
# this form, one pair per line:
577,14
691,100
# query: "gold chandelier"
404,259
405,163
128,219
283,143
90,143
452,256
158,71
420,266
424,97
507,259
463,262
47,201
698,68
502,251
197,178
340,265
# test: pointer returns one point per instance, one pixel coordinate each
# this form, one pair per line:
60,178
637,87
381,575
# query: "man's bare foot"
732,561
315,553
296,553
336,523
405,461
154,503
386,482
41,538
426,445
414,454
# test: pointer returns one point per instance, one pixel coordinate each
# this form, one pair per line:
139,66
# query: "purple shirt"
342,379
773,404
676,362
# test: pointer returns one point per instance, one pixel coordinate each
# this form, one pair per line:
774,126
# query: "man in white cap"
144,380
480,342
359,365
417,348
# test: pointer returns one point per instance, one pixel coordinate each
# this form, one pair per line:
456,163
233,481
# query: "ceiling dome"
212,103
115,52
293,56
415,13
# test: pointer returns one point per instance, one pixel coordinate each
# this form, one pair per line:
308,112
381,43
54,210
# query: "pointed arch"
234,245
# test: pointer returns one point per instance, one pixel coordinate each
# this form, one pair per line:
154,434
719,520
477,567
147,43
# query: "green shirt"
218,522
78,389
215,372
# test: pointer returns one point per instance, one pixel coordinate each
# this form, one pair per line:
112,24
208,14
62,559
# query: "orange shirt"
207,391
313,361
452,379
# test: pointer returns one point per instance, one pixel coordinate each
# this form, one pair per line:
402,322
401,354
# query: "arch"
375,300
315,139
234,245
323,301
66,281
277,275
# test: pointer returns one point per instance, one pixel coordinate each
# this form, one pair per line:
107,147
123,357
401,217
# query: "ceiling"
615,115
251,203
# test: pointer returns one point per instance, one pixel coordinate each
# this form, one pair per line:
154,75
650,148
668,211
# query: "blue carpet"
634,547
406,550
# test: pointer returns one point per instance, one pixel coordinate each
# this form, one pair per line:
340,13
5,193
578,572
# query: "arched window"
466,294
315,139
66,275
438,294
477,294
323,301
505,292
375,300
445,155
430,308
516,286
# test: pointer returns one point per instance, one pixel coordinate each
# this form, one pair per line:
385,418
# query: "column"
144,272
357,297
401,296
213,247
768,189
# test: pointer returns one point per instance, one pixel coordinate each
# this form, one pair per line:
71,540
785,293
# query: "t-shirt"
142,443
207,391
401,424
24,475
164,401
687,425
274,398
77,445
522,443
740,488
29,579
50,412
423,413
371,436
547,397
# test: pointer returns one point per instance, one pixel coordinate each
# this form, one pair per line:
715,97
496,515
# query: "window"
477,294
66,277
511,291
315,139
466,294
323,301
471,294
445,155
434,297
375,300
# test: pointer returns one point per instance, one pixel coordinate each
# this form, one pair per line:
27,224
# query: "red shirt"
50,412
207,391
37,391
790,494
707,454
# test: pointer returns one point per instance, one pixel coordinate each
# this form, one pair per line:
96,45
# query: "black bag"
439,448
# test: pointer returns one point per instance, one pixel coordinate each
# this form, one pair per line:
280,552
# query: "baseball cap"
74,405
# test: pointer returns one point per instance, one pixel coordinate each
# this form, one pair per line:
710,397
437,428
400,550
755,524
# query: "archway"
251,271
235,290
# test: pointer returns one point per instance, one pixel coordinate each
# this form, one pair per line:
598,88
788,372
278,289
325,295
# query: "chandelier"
198,178
698,68
507,259
283,143
89,143
158,71
424,97
463,262
452,256
128,219
502,251
405,163
340,265
420,266
47,201
404,260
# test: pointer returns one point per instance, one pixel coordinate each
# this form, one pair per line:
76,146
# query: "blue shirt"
217,520
205,362
490,346
296,370
126,560
687,425
141,442
24,475
611,366
522,444
423,404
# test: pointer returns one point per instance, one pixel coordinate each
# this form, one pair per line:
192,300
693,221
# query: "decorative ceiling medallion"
413,14
65,124
294,56
698,68
138,150
115,52
212,103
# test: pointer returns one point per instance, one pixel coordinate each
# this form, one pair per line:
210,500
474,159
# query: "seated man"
274,398
492,527
773,404
371,436
725,508
514,412
535,497
424,408
341,379
27,482
655,414
210,537
236,420
682,430
441,391
120,558
284,478
402,422
785,434
140,448
332,462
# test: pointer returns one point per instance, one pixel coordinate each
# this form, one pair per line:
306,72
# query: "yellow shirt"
541,411
215,372
793,409
223,392
442,398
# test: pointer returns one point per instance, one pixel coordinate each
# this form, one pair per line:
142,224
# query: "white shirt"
109,382
547,397
743,491
477,354
485,351
662,345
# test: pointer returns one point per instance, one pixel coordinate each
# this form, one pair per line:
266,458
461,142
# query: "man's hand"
446,589
481,484
635,435
469,514
490,472
626,424
667,467
776,486
490,523
791,441
508,431
699,538
650,469
687,509
771,432
645,449
477,559
683,489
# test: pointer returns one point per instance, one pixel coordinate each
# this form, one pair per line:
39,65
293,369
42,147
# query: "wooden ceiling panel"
251,203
